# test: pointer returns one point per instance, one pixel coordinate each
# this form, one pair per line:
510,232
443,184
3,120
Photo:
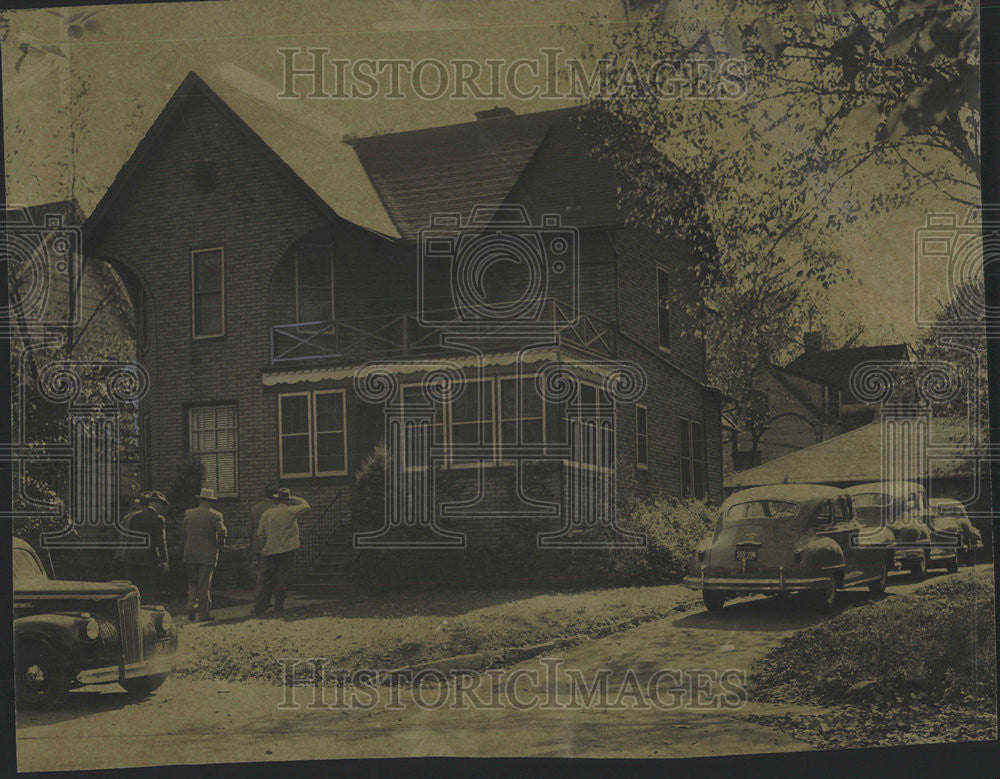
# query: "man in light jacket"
279,534
203,534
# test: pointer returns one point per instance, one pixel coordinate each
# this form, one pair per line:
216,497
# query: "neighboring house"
935,451
809,400
834,367
270,264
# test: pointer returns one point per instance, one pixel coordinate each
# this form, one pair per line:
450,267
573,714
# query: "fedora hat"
207,493
283,494
159,497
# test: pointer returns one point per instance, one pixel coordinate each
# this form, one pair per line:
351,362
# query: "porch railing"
402,334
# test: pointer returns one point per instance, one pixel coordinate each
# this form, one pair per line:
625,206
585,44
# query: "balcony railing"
403,334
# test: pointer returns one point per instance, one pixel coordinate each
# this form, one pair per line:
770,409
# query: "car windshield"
26,568
761,509
871,500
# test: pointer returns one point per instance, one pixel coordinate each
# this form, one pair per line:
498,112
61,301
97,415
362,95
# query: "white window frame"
656,291
690,458
333,283
281,435
236,448
222,274
500,419
314,433
614,429
402,433
450,418
642,466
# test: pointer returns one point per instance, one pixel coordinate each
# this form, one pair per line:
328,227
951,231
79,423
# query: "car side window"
825,514
838,511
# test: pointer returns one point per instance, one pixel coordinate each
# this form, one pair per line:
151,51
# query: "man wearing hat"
203,534
279,533
143,562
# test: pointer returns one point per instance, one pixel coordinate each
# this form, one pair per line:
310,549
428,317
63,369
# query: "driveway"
533,711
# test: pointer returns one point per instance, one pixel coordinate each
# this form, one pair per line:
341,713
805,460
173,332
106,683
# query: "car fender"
818,555
60,632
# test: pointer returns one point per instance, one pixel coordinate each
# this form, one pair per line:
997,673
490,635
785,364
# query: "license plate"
746,554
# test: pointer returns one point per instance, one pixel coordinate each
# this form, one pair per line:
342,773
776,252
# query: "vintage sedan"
73,633
902,507
949,519
789,538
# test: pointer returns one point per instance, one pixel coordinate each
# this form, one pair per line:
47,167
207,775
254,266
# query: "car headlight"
92,629
166,621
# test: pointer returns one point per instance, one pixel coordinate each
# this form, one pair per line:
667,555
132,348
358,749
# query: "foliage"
839,111
936,645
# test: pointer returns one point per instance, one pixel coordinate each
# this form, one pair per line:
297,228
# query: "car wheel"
714,601
144,685
878,586
918,570
42,682
825,599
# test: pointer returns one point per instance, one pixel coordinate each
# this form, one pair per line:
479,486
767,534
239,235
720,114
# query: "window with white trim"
693,472
414,406
312,433
591,422
212,439
522,413
313,283
641,436
663,307
208,298
471,414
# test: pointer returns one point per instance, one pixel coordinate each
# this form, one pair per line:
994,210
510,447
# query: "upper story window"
663,307
641,436
208,298
313,283
693,473
213,431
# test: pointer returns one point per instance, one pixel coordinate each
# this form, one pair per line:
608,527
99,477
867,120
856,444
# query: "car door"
839,524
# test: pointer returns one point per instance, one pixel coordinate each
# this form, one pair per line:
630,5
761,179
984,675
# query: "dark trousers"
199,588
143,577
273,579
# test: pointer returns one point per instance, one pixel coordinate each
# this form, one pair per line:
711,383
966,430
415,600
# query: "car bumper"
911,555
781,584
158,663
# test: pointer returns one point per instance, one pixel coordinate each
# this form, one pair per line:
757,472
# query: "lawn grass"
382,631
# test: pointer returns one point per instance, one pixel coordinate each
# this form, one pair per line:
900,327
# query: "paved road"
194,721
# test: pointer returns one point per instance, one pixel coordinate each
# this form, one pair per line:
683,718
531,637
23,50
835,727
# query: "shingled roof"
834,366
855,457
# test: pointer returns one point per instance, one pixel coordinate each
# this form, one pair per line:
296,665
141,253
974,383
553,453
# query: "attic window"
204,176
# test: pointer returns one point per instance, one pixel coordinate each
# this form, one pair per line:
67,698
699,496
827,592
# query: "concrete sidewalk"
242,609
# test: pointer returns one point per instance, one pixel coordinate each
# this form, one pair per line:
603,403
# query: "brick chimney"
493,113
813,341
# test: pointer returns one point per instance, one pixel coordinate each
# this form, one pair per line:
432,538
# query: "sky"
134,57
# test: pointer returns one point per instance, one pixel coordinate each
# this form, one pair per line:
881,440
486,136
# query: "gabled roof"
855,457
835,365
325,167
453,168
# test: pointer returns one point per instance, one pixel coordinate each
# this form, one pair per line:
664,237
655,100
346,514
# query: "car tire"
877,587
144,685
714,601
823,601
42,681
918,570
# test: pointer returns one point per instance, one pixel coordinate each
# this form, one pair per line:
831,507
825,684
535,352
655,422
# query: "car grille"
128,628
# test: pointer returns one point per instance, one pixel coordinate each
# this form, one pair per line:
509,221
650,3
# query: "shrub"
672,528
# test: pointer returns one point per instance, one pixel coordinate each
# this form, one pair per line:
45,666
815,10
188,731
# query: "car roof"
798,493
945,501
894,488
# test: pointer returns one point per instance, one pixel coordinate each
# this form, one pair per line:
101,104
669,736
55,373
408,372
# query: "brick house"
278,271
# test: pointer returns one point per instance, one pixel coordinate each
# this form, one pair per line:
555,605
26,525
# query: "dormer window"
313,283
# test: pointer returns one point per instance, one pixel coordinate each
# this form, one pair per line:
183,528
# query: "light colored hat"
207,493
283,494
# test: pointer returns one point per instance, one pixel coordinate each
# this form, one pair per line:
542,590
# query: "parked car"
789,538
73,633
950,519
902,506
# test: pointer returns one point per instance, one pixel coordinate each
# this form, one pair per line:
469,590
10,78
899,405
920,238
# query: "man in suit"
279,533
142,563
203,534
